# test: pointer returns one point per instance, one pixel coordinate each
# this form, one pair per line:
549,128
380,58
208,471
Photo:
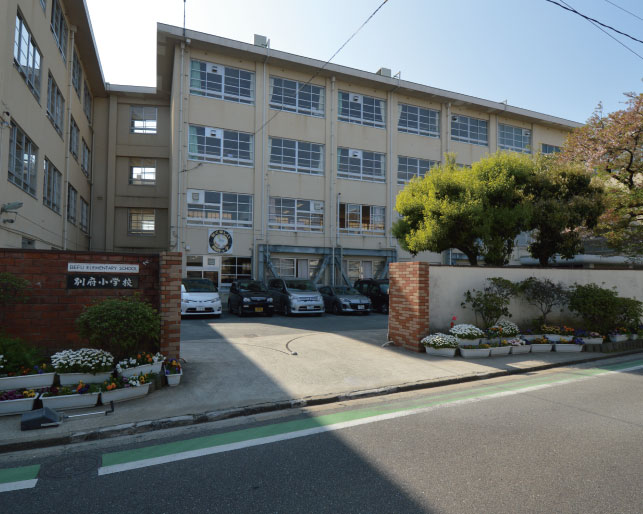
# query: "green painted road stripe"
8,475
211,441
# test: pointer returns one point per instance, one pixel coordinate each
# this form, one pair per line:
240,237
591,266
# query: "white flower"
440,340
508,328
466,331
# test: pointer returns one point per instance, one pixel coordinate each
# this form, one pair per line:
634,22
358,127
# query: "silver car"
296,296
341,299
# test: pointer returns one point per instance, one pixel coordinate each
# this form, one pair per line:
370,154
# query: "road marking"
229,441
13,479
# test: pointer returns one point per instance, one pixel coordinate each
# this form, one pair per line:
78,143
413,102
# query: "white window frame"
52,180
356,164
72,200
143,119
87,102
59,28
23,160
464,126
362,110
295,214
146,169
86,159
26,56
231,145
141,222
238,263
422,121
354,219
229,88
55,104
84,215
548,149
76,73
229,210
297,154
409,167
301,94
516,139
74,136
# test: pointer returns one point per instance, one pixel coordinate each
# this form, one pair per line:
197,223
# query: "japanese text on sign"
102,282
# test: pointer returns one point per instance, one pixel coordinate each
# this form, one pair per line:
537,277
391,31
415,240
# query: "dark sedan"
344,299
250,297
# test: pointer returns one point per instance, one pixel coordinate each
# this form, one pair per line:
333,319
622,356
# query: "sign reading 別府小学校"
101,267
78,281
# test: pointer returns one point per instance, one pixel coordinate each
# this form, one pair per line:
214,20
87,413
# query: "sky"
531,53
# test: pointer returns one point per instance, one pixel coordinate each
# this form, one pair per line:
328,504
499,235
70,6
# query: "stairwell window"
55,104
219,145
76,73
86,159
418,120
27,57
361,165
296,156
141,222
361,109
361,219
84,216
51,186
23,158
74,134
142,172
87,102
294,214
143,119
59,27
410,167
72,200
514,138
219,209
469,130
298,97
224,82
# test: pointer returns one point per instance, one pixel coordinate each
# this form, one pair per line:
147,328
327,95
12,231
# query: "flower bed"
86,365
466,333
125,388
16,402
440,344
173,372
70,397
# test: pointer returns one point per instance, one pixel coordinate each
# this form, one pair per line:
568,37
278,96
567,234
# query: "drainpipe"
392,181
332,174
91,180
448,128
337,235
180,153
258,265
65,192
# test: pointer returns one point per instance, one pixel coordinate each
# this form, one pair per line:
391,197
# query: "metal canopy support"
322,268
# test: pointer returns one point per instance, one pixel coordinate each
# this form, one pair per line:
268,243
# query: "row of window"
23,162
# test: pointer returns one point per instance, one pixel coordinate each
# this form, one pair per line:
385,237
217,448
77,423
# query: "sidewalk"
228,378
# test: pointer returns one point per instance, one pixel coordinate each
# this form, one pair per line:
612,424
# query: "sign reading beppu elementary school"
101,267
77,281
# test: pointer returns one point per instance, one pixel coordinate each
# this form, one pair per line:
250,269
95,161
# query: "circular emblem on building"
220,241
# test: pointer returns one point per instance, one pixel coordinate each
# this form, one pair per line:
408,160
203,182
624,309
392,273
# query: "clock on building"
219,241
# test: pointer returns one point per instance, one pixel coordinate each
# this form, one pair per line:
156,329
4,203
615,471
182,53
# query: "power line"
325,64
621,8
569,8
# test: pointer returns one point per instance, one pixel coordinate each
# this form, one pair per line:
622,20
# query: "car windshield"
301,285
345,290
199,285
384,288
252,286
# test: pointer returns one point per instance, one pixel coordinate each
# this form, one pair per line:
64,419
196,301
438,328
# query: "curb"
208,417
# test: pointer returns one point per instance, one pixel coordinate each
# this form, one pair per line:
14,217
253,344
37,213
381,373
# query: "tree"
613,144
543,294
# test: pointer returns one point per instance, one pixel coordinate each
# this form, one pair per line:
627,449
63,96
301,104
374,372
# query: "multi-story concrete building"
256,162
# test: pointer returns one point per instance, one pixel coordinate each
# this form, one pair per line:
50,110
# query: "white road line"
15,486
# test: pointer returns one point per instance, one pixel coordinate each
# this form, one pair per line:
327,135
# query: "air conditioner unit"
196,196
214,68
218,133
356,98
318,206
357,154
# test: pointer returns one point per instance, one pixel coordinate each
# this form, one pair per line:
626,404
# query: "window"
86,160
26,56
235,268
418,120
514,138
296,156
142,172
141,222
72,199
299,97
547,149
218,81
219,209
409,167
361,109
55,104
296,214
360,219
142,119
51,187
23,157
59,27
469,130
73,139
361,165
218,145
87,102
285,267
76,73
84,215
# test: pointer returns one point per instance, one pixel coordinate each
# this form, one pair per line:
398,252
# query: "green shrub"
12,291
543,294
19,356
629,314
492,302
121,326
597,306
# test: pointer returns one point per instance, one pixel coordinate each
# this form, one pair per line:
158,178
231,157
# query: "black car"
250,297
376,290
341,299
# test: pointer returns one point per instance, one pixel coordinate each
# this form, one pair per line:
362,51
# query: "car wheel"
336,309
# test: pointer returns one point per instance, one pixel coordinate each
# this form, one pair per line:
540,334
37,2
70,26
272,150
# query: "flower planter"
492,340
592,340
474,353
27,381
634,337
18,406
500,350
473,342
618,338
565,339
553,337
568,348
137,370
441,352
541,348
70,401
515,350
85,378
530,337
124,394
156,367
174,379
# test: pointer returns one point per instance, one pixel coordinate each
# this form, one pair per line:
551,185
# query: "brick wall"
408,320
47,318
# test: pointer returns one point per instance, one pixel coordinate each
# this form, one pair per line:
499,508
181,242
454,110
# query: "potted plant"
528,334
552,332
588,336
16,401
466,333
540,345
440,344
494,334
502,329
135,366
158,358
21,366
475,351
86,365
173,372
501,348
575,345
518,346
120,389
70,397
618,334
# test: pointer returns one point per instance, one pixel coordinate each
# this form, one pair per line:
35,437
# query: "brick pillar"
170,302
408,319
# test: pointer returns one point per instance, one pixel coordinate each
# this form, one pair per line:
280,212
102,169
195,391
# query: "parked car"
296,296
376,290
199,296
341,299
250,297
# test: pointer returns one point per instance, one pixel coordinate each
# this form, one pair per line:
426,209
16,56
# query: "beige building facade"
255,162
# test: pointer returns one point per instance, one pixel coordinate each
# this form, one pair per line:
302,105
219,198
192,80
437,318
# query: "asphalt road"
564,441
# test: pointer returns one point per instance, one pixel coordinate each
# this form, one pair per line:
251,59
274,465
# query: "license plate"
200,309
258,309
360,307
